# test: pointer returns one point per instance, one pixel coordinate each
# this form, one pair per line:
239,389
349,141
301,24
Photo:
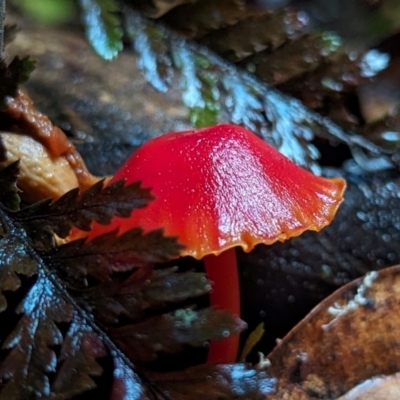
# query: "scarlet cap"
222,186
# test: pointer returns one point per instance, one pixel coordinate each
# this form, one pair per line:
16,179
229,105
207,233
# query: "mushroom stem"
223,272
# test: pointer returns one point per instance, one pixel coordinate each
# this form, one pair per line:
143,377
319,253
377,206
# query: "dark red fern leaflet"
221,187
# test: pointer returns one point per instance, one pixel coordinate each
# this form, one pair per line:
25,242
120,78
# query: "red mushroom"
221,187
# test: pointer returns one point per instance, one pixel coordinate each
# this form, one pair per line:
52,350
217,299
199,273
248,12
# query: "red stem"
223,272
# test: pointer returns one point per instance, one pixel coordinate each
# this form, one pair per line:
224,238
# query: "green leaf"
103,26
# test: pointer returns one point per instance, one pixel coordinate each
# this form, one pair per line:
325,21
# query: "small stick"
2,16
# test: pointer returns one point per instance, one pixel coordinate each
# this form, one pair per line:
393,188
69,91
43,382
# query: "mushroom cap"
222,186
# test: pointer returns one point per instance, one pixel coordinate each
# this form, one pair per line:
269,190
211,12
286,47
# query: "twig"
2,16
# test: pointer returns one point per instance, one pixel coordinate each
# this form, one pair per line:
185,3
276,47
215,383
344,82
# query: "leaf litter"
342,342
72,298
76,312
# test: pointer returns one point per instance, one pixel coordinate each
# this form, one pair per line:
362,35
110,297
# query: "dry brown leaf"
39,127
262,31
295,58
195,20
158,8
50,164
41,175
350,337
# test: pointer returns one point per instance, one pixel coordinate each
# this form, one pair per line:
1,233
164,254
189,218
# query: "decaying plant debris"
67,311
90,301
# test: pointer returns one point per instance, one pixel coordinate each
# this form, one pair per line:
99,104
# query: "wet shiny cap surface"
221,187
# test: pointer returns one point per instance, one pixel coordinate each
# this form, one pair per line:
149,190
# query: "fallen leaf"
342,342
